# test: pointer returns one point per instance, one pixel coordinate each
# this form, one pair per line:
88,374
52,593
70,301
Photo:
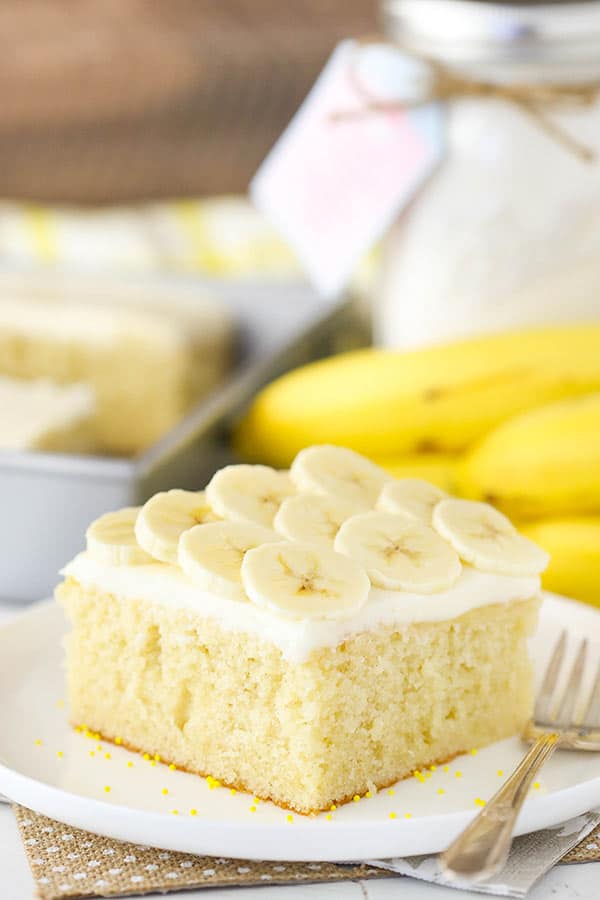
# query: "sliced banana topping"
111,539
313,518
164,518
488,540
325,469
399,553
301,581
249,493
412,497
211,555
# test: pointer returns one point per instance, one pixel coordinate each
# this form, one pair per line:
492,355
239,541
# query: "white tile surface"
575,882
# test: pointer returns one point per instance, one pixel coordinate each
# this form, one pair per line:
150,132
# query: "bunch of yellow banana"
512,418
443,398
544,462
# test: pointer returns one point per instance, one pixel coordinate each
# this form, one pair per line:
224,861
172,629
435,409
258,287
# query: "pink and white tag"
350,160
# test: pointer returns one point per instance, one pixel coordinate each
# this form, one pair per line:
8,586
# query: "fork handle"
483,847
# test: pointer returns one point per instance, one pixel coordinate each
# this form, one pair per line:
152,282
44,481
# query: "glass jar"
506,232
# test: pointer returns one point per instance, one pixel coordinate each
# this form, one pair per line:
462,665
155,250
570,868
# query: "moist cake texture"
286,667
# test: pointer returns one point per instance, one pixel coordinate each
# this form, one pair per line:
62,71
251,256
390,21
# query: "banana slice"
410,496
111,539
164,518
313,518
300,581
399,553
248,493
325,469
211,555
488,540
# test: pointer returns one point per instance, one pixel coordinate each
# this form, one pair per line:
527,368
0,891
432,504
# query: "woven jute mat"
67,863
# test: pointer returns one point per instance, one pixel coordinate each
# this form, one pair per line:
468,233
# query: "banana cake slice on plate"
305,635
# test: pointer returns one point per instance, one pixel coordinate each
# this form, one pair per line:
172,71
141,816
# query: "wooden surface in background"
110,101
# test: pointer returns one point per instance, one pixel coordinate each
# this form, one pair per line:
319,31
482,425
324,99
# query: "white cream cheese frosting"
165,584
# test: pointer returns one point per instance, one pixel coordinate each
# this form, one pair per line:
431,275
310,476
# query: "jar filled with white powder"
506,232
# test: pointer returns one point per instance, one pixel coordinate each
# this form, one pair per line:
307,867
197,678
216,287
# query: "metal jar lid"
541,36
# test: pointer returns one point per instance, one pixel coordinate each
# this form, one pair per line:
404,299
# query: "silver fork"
483,847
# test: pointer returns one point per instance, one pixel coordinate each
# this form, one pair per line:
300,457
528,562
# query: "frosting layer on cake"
168,585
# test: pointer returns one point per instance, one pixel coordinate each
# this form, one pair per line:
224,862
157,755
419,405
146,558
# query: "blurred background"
149,312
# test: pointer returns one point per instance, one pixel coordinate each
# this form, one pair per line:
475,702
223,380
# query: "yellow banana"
574,548
438,468
442,398
544,462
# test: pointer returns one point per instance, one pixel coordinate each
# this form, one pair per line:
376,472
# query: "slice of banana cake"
305,635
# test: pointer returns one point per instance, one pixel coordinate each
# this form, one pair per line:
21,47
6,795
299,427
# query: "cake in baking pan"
42,415
305,635
147,363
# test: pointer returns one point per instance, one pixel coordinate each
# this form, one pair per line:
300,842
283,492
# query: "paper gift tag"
350,159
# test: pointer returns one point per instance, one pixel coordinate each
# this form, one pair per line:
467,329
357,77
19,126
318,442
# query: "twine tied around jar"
439,83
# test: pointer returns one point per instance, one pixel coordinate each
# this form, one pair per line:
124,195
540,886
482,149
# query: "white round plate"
48,767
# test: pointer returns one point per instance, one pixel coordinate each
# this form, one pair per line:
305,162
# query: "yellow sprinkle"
473,752
107,789
256,800
479,801
407,815
446,769
130,765
97,736
118,740
193,812
165,791
232,791
172,767
393,815
536,785
92,752
416,773
99,747
441,791
38,743
146,756
59,753
356,798
333,807
107,756
252,809
458,774
212,782
290,818
78,729
175,812
500,772
427,775
84,728
391,792
157,757
152,762
433,768
368,794
329,817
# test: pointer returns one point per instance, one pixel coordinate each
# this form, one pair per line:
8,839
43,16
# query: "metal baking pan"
49,499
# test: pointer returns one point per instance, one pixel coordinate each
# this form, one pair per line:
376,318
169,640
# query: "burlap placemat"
67,863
